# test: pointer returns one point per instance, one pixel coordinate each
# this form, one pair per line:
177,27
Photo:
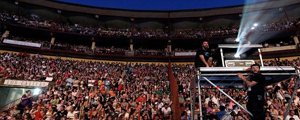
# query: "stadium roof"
160,5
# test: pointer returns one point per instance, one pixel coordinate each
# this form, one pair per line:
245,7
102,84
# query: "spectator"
144,92
292,116
166,110
221,113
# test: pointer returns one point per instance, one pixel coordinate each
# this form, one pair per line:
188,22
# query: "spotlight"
237,40
231,40
255,24
252,28
236,55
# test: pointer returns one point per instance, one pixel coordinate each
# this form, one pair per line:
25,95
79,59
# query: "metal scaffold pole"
297,82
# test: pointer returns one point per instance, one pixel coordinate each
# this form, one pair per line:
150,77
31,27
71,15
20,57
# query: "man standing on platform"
204,56
256,91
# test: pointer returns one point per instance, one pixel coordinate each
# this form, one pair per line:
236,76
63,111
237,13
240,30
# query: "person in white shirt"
166,110
69,81
292,116
71,114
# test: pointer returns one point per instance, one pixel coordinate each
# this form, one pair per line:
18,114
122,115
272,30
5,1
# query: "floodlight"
236,55
237,40
255,24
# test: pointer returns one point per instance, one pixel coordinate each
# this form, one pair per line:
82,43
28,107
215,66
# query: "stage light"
231,40
251,19
255,24
237,40
236,55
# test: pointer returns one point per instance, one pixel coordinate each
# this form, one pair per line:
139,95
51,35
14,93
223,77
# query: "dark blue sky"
159,5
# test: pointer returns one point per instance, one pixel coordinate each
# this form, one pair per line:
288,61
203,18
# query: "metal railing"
10,104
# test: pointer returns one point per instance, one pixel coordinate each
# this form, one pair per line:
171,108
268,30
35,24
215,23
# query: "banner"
49,79
26,83
185,53
22,43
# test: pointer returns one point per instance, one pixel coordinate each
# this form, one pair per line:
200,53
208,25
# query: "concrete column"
52,42
93,47
296,39
131,45
169,46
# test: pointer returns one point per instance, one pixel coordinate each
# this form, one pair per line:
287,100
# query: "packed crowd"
99,90
285,62
35,21
129,91
206,32
88,90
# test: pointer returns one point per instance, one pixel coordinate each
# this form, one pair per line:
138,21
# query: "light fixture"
236,55
255,24
237,40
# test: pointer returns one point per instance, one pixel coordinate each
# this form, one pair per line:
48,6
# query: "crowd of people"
89,90
199,33
117,90
206,32
130,91
285,62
